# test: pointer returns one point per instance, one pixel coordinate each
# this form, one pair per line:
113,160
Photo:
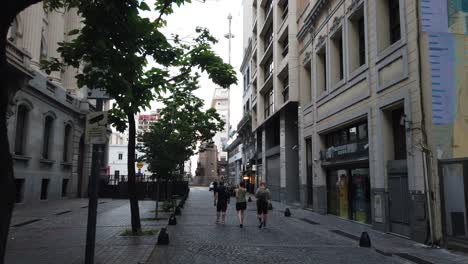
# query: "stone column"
72,21
55,32
33,23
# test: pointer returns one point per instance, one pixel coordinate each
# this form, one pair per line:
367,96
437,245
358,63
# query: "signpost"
95,134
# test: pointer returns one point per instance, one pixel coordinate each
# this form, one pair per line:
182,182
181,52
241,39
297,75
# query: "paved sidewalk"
305,237
60,234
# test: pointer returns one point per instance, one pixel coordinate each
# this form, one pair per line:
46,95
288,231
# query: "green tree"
113,47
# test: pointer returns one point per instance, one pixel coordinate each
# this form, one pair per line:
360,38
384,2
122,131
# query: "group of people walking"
222,198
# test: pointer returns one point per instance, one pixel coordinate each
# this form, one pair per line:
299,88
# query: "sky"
213,15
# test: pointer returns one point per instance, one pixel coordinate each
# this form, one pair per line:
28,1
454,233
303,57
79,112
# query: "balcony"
18,58
243,122
348,152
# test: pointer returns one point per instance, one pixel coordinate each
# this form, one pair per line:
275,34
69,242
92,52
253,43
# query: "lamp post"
229,36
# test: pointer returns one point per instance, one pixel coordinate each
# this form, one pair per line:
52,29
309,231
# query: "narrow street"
303,238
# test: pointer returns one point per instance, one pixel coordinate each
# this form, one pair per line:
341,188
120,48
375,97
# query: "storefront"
346,162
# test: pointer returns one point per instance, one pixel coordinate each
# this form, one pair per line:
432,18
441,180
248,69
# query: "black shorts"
262,207
241,206
221,207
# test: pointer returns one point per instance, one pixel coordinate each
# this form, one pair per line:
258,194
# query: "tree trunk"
132,190
7,180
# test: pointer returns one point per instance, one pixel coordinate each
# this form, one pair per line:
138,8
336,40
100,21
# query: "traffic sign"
140,165
96,128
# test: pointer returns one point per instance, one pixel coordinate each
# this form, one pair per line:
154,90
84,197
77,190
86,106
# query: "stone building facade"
340,107
47,114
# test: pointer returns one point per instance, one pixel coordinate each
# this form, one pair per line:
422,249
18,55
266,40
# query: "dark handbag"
270,206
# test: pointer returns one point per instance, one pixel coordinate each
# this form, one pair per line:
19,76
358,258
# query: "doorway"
273,174
310,194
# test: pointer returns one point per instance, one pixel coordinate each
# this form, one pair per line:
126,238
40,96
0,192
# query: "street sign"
140,165
98,94
96,128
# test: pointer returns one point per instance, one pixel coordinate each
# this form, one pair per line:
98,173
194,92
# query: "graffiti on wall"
446,23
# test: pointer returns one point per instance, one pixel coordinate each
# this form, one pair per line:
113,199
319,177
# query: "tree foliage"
173,139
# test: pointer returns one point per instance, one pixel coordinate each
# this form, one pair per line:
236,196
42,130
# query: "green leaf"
144,6
73,32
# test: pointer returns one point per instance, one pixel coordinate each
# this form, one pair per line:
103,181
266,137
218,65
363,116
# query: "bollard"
177,211
163,237
172,220
250,199
287,212
365,241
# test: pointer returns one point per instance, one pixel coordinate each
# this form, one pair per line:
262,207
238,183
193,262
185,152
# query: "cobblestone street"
303,238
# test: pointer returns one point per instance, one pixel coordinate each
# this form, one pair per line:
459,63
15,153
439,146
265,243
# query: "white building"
220,102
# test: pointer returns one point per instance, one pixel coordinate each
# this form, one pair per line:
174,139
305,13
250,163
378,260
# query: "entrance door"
398,197
310,194
455,199
273,173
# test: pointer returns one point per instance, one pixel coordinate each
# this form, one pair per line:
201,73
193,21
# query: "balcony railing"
345,152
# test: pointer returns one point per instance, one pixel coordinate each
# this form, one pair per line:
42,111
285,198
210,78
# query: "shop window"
22,119
321,71
47,137
389,23
357,39
64,187
19,187
44,189
337,59
362,132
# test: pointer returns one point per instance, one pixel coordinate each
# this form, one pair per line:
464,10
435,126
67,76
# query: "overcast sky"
213,15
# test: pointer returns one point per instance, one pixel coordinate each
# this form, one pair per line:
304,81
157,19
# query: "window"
357,40
394,16
321,68
21,130
19,187
268,68
269,102
388,23
67,143
399,134
284,9
337,62
120,157
44,189
285,82
268,7
47,138
64,187
268,39
284,46
306,92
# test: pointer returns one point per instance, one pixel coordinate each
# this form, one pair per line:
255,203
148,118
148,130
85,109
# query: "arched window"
67,143
21,129
47,140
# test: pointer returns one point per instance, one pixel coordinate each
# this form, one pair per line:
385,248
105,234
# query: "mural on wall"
446,22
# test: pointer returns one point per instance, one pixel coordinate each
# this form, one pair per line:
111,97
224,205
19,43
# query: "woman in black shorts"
241,203
263,196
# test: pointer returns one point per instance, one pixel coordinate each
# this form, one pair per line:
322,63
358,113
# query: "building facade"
234,172
220,103
351,115
47,115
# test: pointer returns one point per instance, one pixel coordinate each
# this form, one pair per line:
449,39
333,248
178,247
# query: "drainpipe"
425,149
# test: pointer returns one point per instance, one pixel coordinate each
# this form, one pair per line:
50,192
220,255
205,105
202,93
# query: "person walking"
263,198
241,203
215,187
221,202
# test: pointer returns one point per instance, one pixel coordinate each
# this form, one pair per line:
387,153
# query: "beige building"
47,114
336,108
